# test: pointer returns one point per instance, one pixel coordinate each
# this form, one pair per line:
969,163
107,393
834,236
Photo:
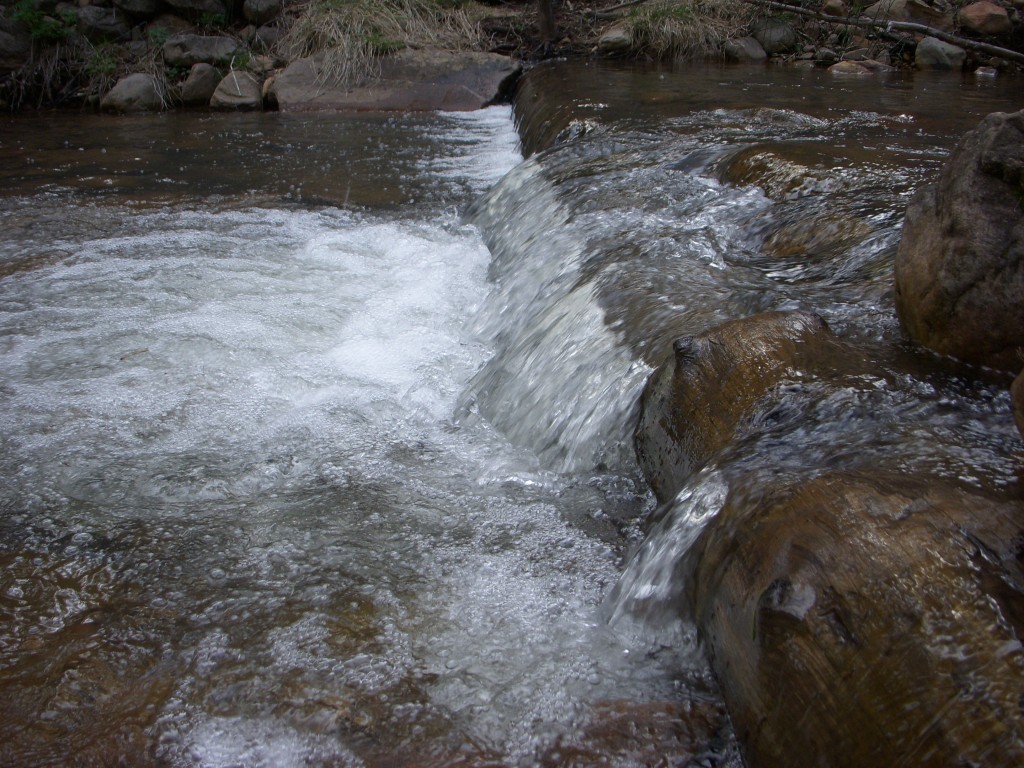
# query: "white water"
242,418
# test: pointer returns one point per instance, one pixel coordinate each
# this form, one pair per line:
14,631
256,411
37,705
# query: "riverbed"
316,429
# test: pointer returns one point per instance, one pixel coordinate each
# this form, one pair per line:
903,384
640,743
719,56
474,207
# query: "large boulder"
985,18
744,49
15,49
135,93
186,50
932,53
914,11
199,9
701,398
238,90
409,80
102,25
774,35
960,262
199,86
857,620
261,11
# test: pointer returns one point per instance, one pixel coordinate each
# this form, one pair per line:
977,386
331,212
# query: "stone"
15,50
135,93
933,53
857,54
409,80
267,37
170,24
238,90
140,9
775,35
199,86
615,40
960,263
881,613
186,50
695,403
103,25
985,18
199,9
1017,396
825,55
834,8
261,11
865,67
744,49
915,11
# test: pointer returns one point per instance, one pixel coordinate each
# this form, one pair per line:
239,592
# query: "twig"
901,26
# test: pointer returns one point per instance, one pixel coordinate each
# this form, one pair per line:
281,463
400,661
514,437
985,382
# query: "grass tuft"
352,35
687,29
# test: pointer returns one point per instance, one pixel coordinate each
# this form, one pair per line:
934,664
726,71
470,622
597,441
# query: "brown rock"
135,93
985,18
1017,394
960,263
409,80
916,11
238,90
200,85
866,621
698,400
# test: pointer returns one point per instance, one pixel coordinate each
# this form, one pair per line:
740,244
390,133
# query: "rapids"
315,438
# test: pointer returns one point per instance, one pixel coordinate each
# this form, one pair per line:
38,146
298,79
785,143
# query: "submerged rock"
866,621
699,399
409,80
960,263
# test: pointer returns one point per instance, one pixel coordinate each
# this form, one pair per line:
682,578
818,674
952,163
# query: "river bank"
126,55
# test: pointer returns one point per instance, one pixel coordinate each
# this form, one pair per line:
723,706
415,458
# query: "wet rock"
916,11
744,49
960,262
866,621
103,25
186,50
932,53
696,402
409,80
779,177
865,67
775,35
985,18
238,90
1017,394
135,93
261,11
199,86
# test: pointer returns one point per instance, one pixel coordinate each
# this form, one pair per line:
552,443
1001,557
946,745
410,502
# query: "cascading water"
301,468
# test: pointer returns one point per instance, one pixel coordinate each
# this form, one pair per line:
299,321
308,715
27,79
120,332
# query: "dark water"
301,466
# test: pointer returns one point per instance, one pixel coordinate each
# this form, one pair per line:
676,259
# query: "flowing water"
315,430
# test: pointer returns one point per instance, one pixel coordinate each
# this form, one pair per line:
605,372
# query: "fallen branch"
886,25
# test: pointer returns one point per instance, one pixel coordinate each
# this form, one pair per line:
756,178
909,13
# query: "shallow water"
301,466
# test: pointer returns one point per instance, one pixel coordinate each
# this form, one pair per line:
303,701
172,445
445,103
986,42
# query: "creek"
316,430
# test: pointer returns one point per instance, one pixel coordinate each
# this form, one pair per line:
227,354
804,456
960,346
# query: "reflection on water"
296,471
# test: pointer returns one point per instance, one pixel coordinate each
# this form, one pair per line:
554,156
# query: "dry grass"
352,35
687,29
